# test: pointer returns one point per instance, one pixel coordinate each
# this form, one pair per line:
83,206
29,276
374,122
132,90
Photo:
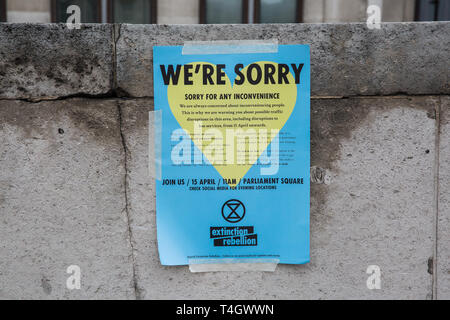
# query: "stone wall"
75,188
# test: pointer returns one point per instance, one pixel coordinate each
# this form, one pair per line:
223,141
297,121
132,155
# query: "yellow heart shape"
232,125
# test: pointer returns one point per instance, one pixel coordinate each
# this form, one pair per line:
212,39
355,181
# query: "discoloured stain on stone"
39,61
319,175
335,120
46,286
330,125
43,120
430,265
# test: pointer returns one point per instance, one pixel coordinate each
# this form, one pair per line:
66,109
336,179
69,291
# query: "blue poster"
235,154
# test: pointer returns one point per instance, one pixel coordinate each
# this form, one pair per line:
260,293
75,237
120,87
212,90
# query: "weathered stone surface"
346,59
62,200
376,210
141,195
43,61
443,259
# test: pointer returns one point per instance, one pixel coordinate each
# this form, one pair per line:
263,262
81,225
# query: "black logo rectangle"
233,236
248,240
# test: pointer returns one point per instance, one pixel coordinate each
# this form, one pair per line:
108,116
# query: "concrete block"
443,232
376,210
62,201
346,59
141,198
44,61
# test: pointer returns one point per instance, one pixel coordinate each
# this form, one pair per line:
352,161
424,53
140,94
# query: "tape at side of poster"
154,143
230,47
232,264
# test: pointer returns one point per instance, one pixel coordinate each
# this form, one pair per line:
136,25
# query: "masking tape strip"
230,47
232,264
154,143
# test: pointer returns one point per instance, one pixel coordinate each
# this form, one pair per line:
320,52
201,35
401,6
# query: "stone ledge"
346,59
47,61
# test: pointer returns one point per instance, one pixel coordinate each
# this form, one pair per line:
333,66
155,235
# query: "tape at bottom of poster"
232,264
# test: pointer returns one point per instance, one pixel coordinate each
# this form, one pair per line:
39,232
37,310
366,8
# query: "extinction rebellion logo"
233,211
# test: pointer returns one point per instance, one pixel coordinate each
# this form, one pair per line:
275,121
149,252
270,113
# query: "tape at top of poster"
230,47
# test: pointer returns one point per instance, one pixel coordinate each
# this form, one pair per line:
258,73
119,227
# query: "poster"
235,154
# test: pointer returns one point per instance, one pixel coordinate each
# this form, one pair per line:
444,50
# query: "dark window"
223,11
2,10
132,11
90,10
278,11
432,10
261,11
